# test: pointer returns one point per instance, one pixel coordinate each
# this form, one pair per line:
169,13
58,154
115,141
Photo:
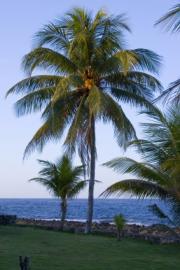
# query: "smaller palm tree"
120,223
62,179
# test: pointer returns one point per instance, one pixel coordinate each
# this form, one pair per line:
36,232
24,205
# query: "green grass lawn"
64,251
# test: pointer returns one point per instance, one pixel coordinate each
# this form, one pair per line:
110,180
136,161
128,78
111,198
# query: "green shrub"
120,223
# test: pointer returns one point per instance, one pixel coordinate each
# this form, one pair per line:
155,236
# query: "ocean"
134,210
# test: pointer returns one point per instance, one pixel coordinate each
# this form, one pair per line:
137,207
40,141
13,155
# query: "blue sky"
19,20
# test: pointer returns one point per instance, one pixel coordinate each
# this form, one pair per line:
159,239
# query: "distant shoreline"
99,221
78,199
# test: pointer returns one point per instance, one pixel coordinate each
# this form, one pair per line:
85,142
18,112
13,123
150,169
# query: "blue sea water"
134,210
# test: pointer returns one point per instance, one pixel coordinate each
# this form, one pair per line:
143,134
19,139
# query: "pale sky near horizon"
19,20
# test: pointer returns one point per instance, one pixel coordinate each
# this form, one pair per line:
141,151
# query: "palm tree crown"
159,174
84,54
88,70
62,179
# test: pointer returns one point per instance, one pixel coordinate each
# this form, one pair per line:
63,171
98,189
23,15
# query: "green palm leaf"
171,20
141,170
172,94
136,187
34,83
34,101
47,59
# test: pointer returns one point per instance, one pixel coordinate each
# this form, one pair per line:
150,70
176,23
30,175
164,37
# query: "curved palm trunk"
92,179
63,206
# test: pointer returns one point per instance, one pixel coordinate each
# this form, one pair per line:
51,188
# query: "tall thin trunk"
63,212
92,179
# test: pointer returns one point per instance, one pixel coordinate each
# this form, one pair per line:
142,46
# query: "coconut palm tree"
88,71
158,175
171,21
62,179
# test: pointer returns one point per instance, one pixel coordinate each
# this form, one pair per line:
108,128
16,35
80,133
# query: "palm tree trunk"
119,234
92,179
63,213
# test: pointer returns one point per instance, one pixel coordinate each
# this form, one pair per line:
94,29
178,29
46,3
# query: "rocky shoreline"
155,233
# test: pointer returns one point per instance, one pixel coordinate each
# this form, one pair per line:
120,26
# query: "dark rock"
7,219
154,234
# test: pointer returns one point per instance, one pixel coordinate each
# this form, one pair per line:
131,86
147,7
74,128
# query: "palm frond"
131,98
52,129
126,58
156,210
112,112
136,82
34,83
48,59
49,185
136,187
34,101
76,189
53,35
172,94
53,126
148,150
147,60
76,128
144,171
171,20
